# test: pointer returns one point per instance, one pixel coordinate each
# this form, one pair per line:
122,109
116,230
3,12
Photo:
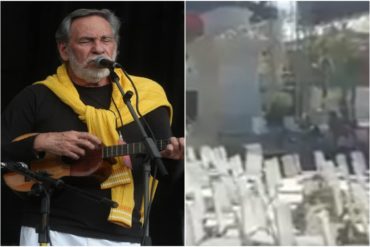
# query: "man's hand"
71,144
175,149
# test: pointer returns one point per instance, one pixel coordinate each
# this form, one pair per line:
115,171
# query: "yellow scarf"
102,123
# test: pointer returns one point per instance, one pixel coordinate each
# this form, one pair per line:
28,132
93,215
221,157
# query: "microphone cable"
146,215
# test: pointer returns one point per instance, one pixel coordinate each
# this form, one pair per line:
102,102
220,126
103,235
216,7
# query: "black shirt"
37,109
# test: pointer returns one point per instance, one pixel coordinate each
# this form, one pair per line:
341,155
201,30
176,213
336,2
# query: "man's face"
90,37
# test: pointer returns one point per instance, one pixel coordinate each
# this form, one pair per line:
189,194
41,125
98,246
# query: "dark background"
151,45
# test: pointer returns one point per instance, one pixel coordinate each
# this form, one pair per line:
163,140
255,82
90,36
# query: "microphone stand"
151,148
45,188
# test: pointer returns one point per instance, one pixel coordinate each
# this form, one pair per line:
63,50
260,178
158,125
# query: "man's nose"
98,47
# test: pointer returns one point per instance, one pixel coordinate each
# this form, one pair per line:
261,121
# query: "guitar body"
91,165
96,164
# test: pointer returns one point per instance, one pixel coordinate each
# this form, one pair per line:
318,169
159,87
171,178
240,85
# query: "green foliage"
340,47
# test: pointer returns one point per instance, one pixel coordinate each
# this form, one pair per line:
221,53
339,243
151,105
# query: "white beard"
91,75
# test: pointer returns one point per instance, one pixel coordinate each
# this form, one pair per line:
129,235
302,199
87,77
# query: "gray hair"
63,31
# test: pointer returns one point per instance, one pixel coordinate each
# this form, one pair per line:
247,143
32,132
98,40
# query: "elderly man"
75,113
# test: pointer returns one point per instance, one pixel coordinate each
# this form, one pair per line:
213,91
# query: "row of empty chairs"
236,200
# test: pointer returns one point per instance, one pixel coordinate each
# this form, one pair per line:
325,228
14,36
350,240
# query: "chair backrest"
319,159
284,224
358,163
361,197
342,165
329,173
222,203
195,176
359,167
273,175
290,166
194,224
206,155
326,228
253,211
253,159
190,154
220,160
236,165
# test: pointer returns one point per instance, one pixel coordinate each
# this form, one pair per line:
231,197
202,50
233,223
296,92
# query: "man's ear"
62,48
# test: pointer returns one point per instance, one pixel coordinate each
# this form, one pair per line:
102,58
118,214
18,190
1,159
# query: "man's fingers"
69,143
182,141
86,144
71,155
89,137
169,148
77,150
175,149
166,153
174,145
182,146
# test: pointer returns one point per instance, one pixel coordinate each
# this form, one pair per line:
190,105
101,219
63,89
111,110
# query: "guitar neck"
132,148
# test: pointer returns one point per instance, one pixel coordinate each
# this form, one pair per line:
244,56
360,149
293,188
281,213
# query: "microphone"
106,63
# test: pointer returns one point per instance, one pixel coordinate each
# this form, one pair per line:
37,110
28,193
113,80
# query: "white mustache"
95,58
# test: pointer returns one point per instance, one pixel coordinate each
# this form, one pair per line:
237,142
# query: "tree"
340,63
